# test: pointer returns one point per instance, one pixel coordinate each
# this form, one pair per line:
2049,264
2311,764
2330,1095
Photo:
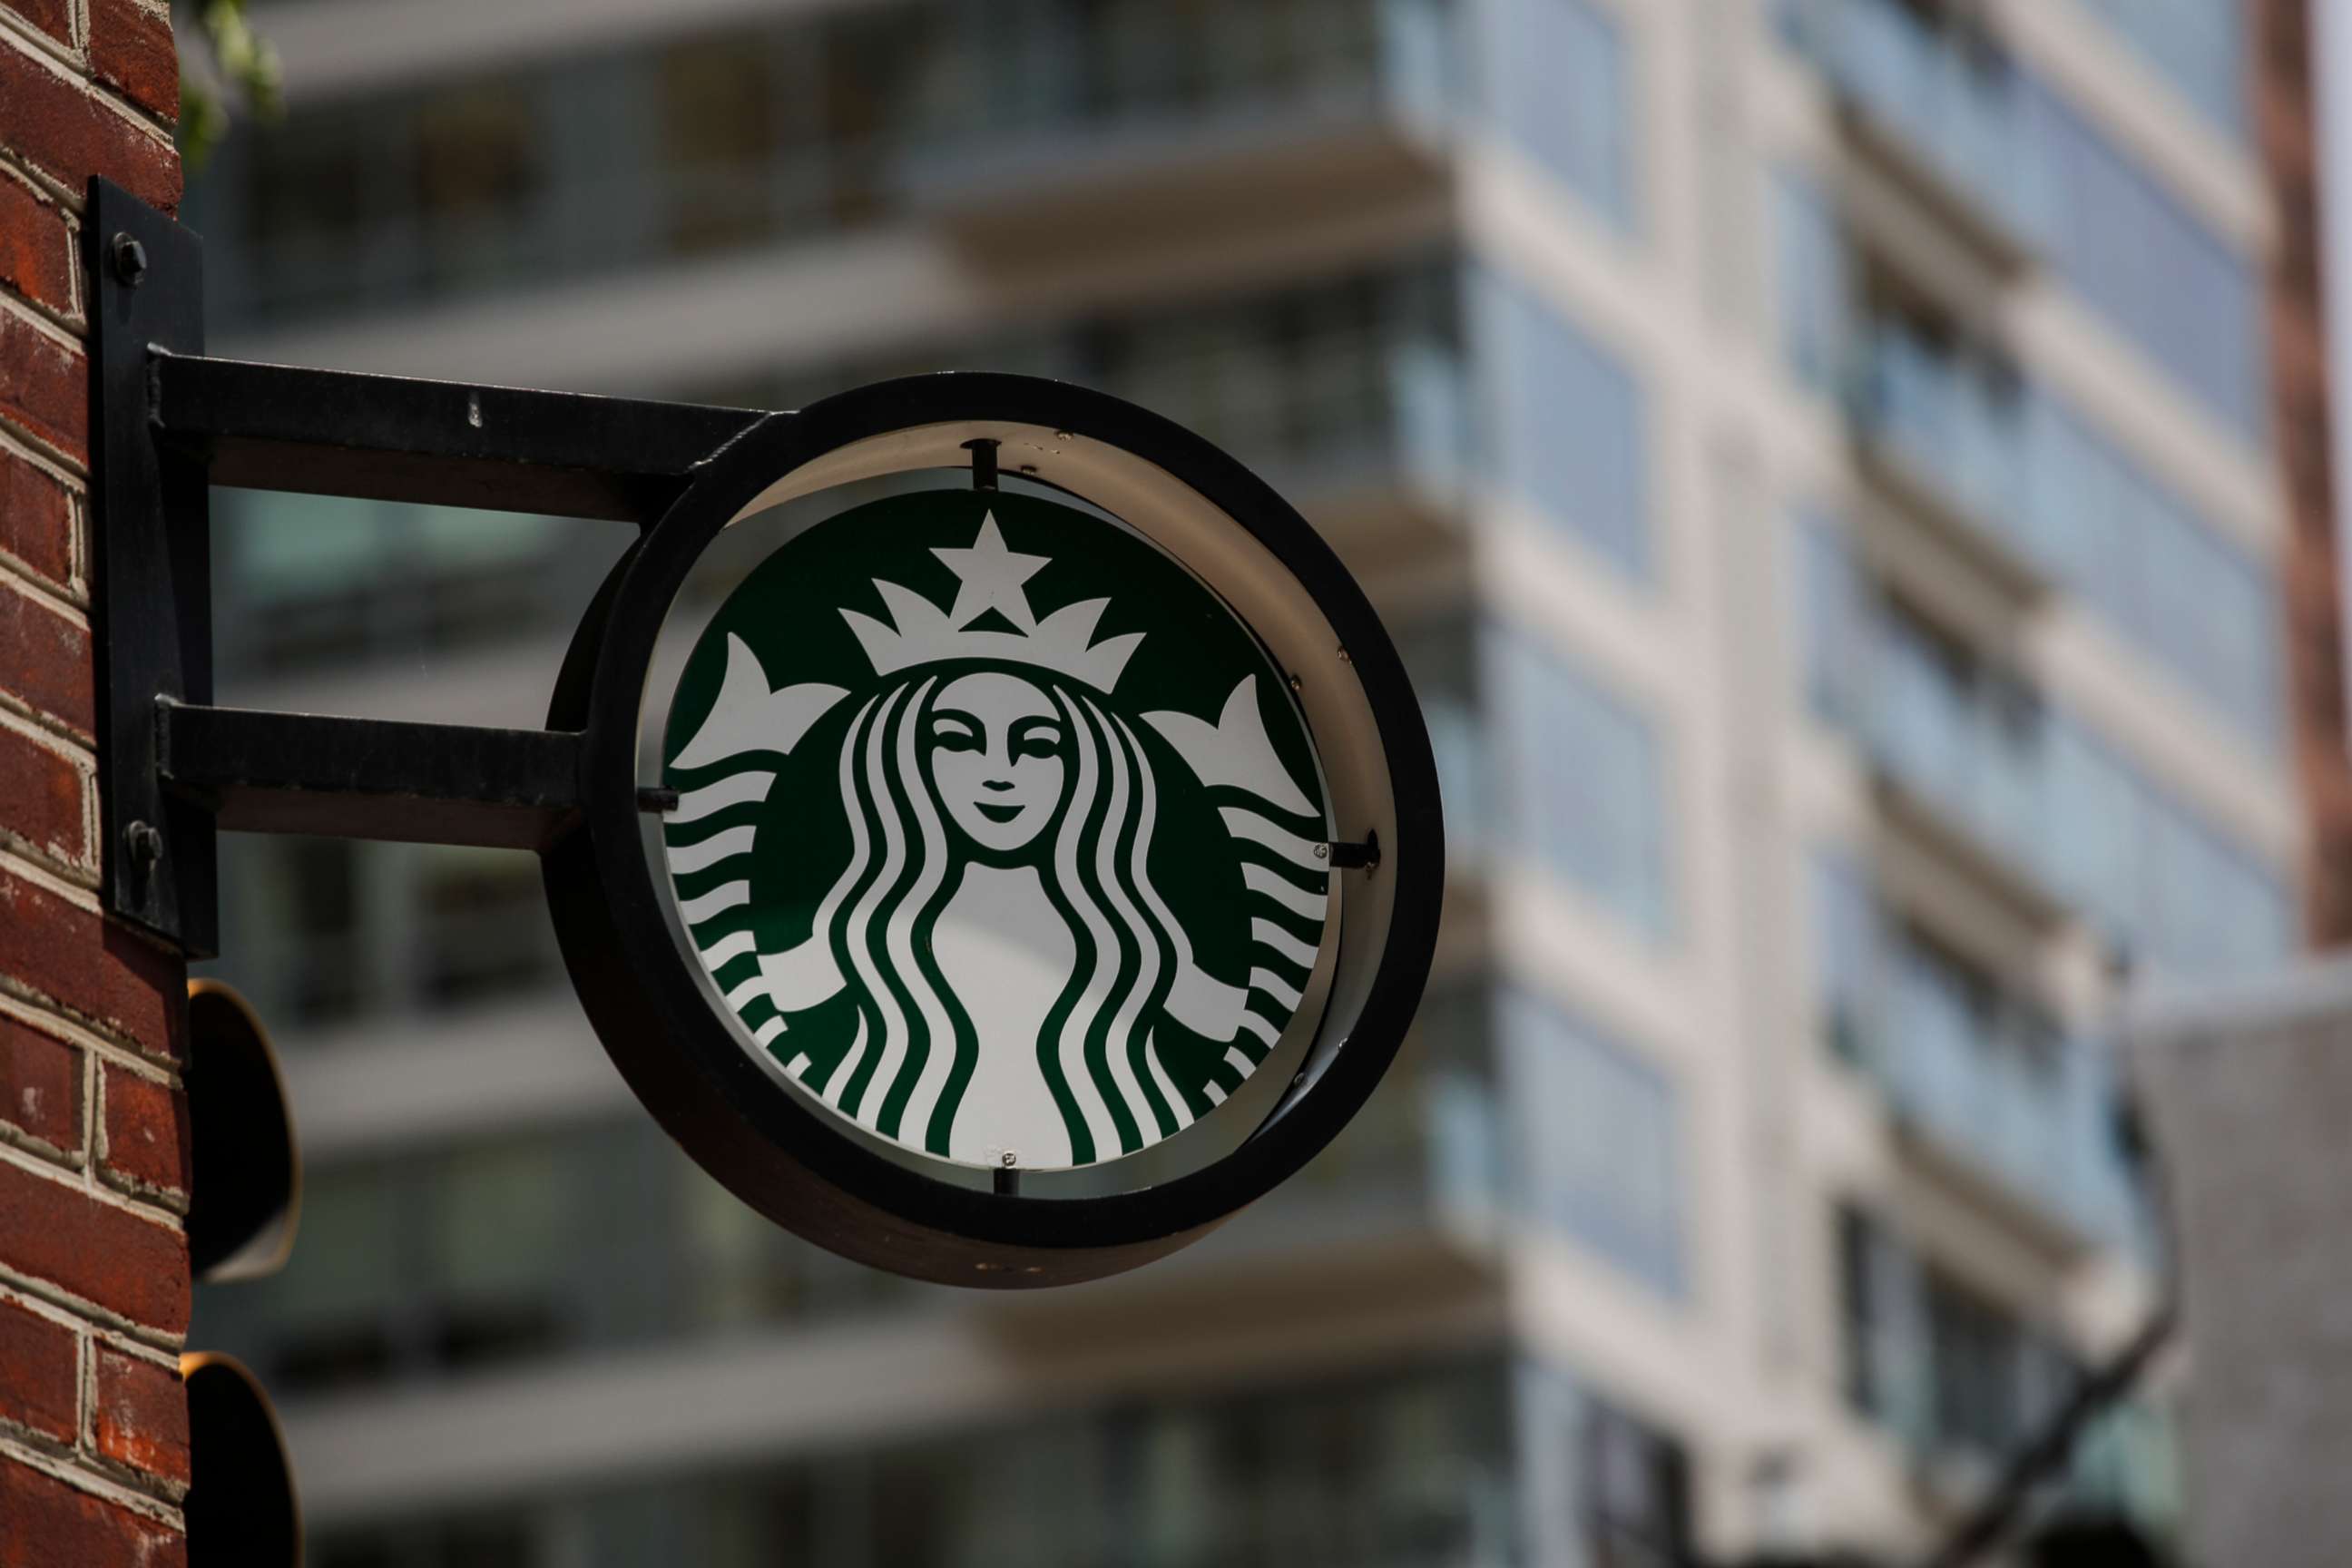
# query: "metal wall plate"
151,600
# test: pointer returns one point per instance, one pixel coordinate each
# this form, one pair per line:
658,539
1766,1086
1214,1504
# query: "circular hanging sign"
1015,880
997,832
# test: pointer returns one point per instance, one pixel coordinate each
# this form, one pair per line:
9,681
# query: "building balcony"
2019,1115
1934,109
1136,121
1026,130
1941,435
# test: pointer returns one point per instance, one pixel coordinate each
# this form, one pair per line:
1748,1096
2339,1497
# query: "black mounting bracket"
166,424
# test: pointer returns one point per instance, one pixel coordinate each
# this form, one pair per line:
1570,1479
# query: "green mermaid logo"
987,881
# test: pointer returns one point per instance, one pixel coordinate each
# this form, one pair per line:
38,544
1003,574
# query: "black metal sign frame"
168,422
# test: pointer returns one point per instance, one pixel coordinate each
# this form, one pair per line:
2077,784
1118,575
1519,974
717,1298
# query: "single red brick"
44,384
45,659
60,127
53,1525
125,1262
36,250
54,18
40,1375
130,47
93,968
146,1132
40,1086
37,517
140,1418
43,800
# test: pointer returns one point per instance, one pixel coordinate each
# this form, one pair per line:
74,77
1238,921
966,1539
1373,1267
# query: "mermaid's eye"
950,732
1043,738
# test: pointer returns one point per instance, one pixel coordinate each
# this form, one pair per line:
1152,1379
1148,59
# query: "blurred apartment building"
1814,455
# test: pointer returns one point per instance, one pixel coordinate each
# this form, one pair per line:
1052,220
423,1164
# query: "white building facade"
1814,457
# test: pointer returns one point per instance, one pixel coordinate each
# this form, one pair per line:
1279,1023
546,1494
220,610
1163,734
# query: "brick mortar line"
70,225
75,479
17,566
48,1312
81,756
18,997
38,1016
82,78
122,1345
90,1312
44,322
86,1425
86,1179
33,585
82,898
40,1149
68,321
55,454
63,730
64,53
55,189
17,846
88,1479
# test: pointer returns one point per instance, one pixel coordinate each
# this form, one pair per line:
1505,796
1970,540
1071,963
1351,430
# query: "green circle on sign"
997,831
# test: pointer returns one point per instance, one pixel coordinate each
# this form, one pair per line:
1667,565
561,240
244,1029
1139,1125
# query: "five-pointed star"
992,577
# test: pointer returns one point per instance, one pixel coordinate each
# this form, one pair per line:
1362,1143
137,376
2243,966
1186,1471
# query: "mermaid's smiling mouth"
997,813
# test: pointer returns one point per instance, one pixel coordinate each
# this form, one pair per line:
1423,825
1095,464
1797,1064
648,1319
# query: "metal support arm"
167,423
385,437
369,778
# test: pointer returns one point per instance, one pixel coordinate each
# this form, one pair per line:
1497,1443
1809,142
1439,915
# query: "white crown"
991,578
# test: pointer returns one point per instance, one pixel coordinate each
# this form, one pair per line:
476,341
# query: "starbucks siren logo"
988,883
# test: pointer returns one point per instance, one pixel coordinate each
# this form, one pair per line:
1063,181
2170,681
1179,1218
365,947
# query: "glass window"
1637,1485
2136,256
2159,574
1560,89
1845,927
1596,1134
1587,789
1567,422
1974,1350
2200,46
1813,286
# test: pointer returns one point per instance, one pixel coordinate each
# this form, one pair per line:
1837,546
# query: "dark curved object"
241,1510
786,1159
244,1185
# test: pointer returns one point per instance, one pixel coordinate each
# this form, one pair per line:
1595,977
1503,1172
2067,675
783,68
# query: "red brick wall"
2315,600
93,1146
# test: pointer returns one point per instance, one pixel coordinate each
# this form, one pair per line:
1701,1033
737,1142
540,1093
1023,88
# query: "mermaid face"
998,752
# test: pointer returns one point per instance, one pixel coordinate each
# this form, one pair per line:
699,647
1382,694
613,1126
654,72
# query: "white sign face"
997,831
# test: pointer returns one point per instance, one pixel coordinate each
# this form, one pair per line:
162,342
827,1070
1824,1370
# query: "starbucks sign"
1011,846
997,833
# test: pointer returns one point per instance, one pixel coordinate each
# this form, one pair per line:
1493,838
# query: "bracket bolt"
1011,1157
145,842
129,260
